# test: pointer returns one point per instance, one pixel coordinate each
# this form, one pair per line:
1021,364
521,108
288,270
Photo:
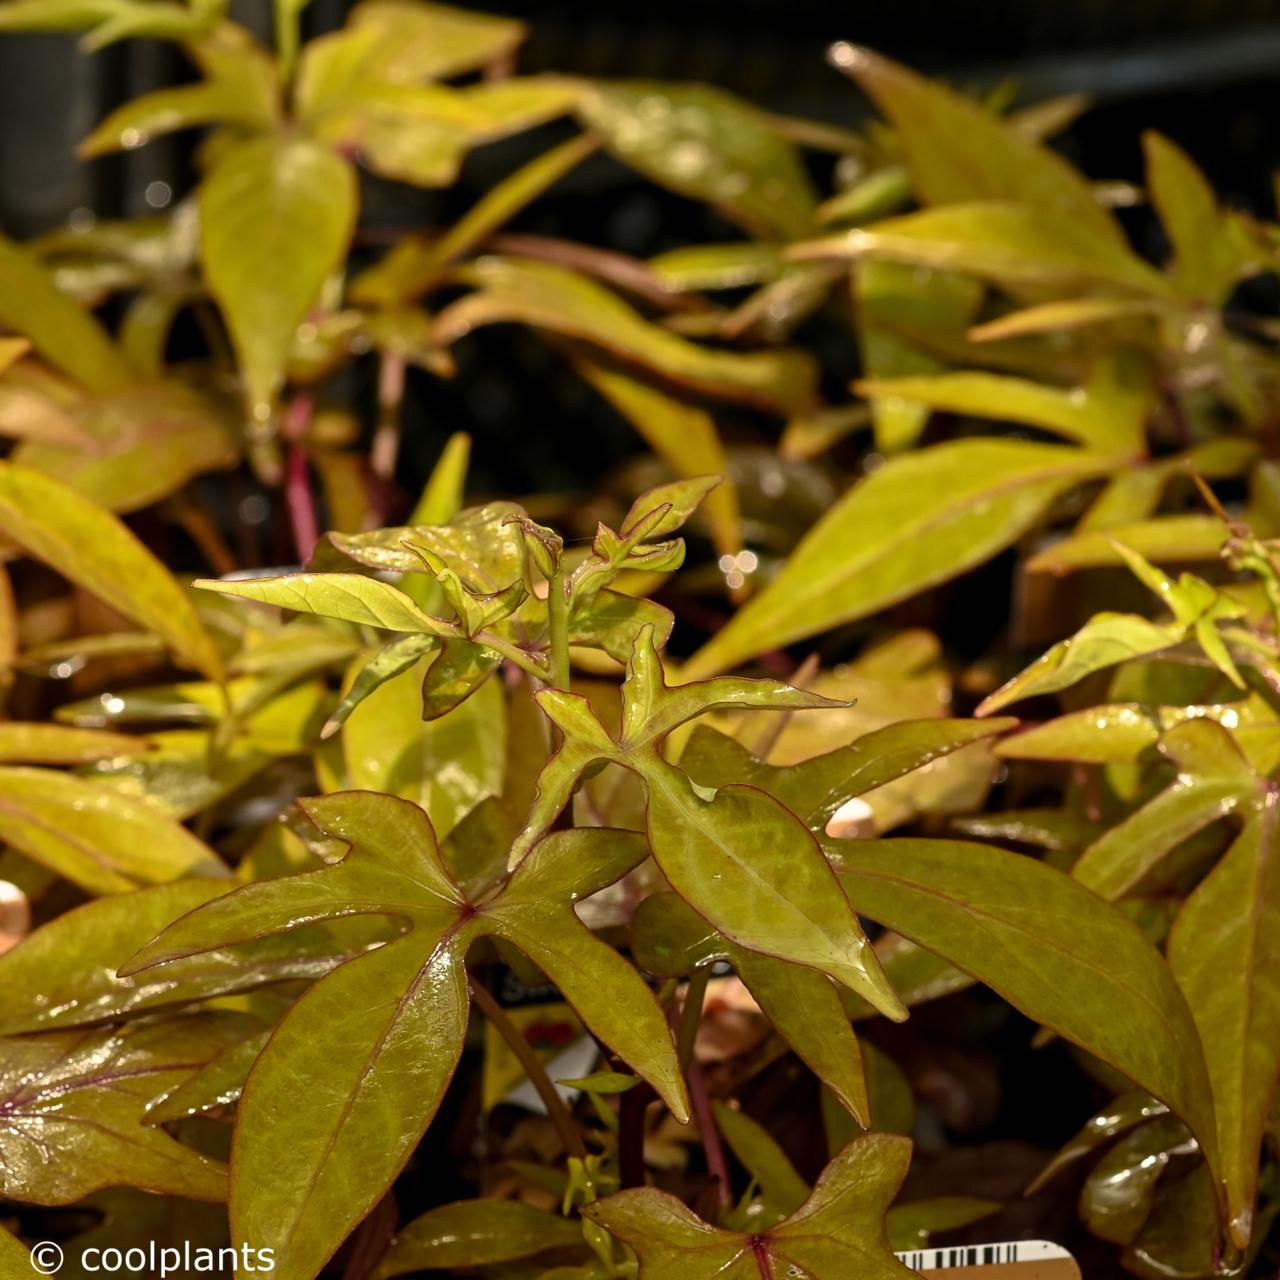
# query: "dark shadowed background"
1206,72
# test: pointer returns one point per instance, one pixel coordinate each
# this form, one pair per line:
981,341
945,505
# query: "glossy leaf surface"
101,840
73,1118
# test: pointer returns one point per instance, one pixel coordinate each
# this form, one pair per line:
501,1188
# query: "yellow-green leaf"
1108,414
916,522
276,215
957,150
708,144
1010,244
93,549
99,839
1169,538
350,597
564,302
684,436
1106,640
57,326
1211,247
239,88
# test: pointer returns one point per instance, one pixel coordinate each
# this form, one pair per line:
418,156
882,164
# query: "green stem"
558,615
287,16
691,1014
524,660
532,1064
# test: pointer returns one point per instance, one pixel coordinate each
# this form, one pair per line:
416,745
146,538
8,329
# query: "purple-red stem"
717,1165
299,496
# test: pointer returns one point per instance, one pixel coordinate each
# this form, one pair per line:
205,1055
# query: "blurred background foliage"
1200,71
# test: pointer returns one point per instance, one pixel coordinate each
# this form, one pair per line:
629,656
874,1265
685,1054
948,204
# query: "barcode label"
981,1255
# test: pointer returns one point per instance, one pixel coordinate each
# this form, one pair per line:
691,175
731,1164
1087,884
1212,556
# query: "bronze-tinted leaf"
838,1231
73,1107
1015,924
473,1233
1225,952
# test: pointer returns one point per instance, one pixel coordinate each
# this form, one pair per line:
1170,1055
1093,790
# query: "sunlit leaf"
390,661
916,522
1108,414
1106,640
681,434
1167,539
58,327
238,88
137,447
564,302
1056,317
1009,244
93,549
40,743
1213,780
101,840
276,214
705,143
957,150
1211,247
350,597
417,41
14,1257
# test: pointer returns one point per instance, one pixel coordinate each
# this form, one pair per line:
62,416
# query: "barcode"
981,1255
